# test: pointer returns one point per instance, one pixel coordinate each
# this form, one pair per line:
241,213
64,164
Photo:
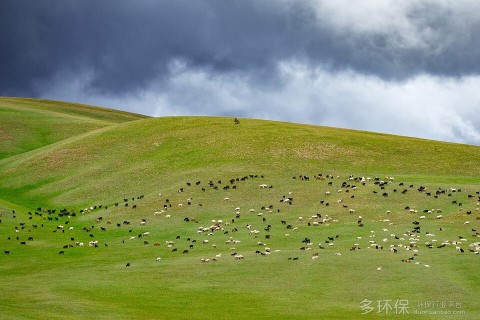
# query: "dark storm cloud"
404,67
124,45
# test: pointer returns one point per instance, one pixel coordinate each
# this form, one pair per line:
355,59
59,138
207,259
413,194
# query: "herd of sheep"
245,230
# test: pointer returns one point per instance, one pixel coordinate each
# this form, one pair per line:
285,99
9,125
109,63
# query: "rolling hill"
145,187
28,124
103,154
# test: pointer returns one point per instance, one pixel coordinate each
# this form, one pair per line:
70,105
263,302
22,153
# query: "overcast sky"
403,67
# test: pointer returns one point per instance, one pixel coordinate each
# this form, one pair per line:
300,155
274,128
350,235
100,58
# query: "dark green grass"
28,124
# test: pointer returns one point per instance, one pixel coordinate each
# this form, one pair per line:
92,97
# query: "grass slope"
147,161
28,124
140,155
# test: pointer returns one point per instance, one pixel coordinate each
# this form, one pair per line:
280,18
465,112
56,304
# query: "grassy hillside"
139,156
185,189
28,124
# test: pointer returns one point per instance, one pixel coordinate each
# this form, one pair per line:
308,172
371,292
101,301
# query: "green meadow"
144,188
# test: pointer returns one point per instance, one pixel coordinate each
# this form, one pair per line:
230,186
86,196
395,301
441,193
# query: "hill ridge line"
5,163
59,114
44,102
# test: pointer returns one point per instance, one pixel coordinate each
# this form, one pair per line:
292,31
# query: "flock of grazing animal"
335,200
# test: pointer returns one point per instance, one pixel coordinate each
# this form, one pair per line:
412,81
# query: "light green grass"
102,165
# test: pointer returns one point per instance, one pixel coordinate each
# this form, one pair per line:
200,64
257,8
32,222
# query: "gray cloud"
425,106
126,44
287,60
